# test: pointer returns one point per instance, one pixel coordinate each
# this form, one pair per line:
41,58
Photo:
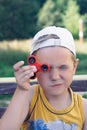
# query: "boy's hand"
23,74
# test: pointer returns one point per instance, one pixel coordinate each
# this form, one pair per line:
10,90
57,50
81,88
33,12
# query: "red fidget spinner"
40,67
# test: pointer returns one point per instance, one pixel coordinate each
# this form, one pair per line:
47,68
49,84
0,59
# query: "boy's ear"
75,65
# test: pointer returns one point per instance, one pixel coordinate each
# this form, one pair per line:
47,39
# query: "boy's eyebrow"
63,65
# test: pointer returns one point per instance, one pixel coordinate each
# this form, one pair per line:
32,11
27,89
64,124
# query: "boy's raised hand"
23,74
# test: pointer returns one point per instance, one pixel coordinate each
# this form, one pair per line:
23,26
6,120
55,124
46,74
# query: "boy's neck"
61,102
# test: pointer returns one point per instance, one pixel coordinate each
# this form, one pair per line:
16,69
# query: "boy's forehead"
53,53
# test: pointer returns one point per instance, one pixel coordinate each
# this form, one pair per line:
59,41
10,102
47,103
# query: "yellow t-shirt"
42,116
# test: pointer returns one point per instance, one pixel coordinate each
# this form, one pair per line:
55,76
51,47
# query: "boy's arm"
85,113
19,106
17,110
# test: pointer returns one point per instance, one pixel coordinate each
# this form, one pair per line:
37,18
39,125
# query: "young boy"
50,105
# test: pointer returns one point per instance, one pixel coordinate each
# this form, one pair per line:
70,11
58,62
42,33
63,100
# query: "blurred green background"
21,19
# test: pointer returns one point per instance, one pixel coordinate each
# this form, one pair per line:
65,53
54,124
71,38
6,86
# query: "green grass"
5,100
85,96
82,66
8,58
5,96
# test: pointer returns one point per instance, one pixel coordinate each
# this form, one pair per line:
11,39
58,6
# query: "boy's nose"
55,74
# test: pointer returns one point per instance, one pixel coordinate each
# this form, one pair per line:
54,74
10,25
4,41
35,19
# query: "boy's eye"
63,67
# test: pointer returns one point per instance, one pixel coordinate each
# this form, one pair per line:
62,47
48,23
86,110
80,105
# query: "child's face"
60,76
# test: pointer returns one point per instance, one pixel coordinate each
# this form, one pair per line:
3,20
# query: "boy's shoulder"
33,90
85,112
85,105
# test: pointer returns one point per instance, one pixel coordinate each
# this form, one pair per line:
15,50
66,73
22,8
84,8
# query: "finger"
27,72
28,68
18,65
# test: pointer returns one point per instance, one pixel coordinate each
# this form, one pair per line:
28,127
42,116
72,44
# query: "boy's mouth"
57,85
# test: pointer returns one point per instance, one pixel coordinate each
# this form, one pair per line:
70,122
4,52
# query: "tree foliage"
63,13
21,19
84,18
18,18
83,6
71,18
51,13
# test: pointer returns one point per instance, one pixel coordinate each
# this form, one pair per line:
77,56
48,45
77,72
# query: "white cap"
65,39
